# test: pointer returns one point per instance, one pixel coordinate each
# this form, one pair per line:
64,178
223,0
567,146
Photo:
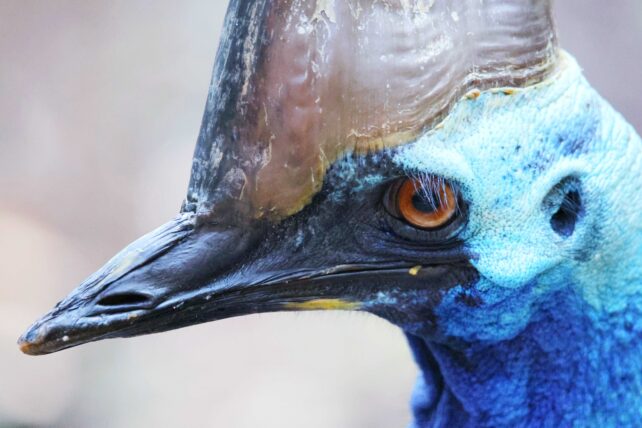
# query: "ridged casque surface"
299,83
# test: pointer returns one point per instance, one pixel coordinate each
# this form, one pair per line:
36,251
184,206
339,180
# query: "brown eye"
426,205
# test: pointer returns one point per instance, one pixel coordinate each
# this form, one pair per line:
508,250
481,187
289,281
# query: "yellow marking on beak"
323,305
414,270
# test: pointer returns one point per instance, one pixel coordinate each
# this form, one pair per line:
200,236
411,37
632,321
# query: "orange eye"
429,206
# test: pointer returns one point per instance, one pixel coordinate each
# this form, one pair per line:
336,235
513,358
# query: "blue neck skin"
557,340
568,367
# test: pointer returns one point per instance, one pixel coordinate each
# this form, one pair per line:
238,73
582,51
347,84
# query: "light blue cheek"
508,156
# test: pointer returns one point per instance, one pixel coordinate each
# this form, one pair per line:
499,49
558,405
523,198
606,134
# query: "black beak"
110,296
145,288
189,272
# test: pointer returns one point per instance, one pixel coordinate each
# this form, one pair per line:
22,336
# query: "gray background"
100,105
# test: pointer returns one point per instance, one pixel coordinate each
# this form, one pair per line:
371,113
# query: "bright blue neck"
557,337
570,366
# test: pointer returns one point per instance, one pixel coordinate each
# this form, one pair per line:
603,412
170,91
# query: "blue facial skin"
555,338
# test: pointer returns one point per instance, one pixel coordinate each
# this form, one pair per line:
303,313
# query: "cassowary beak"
185,273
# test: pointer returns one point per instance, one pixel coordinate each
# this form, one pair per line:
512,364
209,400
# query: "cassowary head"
440,164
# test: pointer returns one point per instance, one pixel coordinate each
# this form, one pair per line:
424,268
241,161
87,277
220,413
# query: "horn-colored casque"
299,83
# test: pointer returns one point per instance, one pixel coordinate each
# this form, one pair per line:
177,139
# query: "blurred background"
100,106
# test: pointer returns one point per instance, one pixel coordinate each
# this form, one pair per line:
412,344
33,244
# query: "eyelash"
431,184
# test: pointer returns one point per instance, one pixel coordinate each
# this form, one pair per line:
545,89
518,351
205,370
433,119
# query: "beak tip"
30,343
25,347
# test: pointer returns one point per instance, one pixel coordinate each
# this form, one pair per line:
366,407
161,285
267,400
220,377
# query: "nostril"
563,221
124,299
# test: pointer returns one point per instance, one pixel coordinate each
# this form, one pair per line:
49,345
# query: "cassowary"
440,164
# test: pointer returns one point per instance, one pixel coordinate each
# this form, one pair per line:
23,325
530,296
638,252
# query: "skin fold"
524,310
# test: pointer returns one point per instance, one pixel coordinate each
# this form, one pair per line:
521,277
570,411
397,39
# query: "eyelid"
390,197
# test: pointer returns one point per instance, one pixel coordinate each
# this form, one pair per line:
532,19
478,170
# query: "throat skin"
570,367
557,337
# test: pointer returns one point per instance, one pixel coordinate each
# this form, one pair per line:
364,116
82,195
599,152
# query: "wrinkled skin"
523,312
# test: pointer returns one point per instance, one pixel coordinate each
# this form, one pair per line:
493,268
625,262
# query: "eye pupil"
424,204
